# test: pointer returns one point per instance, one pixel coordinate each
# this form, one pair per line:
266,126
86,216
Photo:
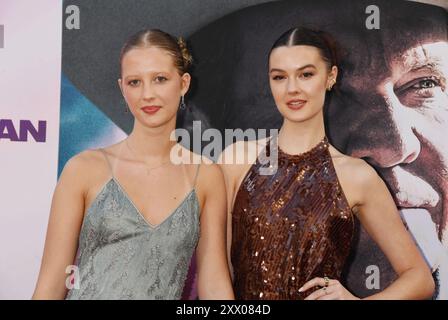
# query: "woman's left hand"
331,290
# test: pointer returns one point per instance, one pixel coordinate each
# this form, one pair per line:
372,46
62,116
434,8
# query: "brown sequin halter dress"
289,227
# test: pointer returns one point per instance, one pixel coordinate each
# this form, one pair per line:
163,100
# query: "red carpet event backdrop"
59,95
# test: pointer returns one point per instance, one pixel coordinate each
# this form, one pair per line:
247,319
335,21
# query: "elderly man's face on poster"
406,114
398,106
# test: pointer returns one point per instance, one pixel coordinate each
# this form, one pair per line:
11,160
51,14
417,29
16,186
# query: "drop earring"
126,107
182,103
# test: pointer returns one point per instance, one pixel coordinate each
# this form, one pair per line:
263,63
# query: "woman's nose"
148,91
293,86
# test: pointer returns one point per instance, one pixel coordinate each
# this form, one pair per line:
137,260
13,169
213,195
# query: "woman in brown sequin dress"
290,232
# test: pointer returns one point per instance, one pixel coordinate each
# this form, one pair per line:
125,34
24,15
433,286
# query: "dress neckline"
140,213
319,147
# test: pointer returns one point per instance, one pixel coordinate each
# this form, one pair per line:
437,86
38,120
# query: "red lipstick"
295,104
150,109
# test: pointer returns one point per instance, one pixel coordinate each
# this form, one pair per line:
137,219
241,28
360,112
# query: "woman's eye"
160,79
133,83
278,77
307,74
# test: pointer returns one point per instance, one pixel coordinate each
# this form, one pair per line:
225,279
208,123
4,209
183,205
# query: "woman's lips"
150,109
296,104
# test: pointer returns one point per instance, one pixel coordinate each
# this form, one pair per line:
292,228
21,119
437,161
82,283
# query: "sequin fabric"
122,256
289,227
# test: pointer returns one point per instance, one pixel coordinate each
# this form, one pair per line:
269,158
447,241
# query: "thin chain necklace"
148,168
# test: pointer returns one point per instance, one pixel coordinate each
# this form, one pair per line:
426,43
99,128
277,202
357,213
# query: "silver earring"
182,103
126,107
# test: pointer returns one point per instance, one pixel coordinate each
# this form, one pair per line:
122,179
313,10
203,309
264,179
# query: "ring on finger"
326,282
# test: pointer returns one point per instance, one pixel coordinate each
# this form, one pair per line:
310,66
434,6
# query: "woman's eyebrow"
151,73
130,76
298,69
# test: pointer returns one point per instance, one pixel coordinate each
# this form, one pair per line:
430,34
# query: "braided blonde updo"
186,56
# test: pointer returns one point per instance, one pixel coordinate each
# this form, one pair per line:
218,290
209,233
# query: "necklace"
148,168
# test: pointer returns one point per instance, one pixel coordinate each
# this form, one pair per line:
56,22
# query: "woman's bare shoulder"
85,168
240,152
359,170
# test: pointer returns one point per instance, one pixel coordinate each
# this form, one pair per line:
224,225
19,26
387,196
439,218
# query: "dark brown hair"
328,48
176,47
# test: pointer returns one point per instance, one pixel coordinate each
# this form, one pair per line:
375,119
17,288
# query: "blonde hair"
176,47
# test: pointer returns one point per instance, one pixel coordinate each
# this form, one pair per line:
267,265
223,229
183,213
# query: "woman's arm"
213,272
234,162
227,162
379,216
62,234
